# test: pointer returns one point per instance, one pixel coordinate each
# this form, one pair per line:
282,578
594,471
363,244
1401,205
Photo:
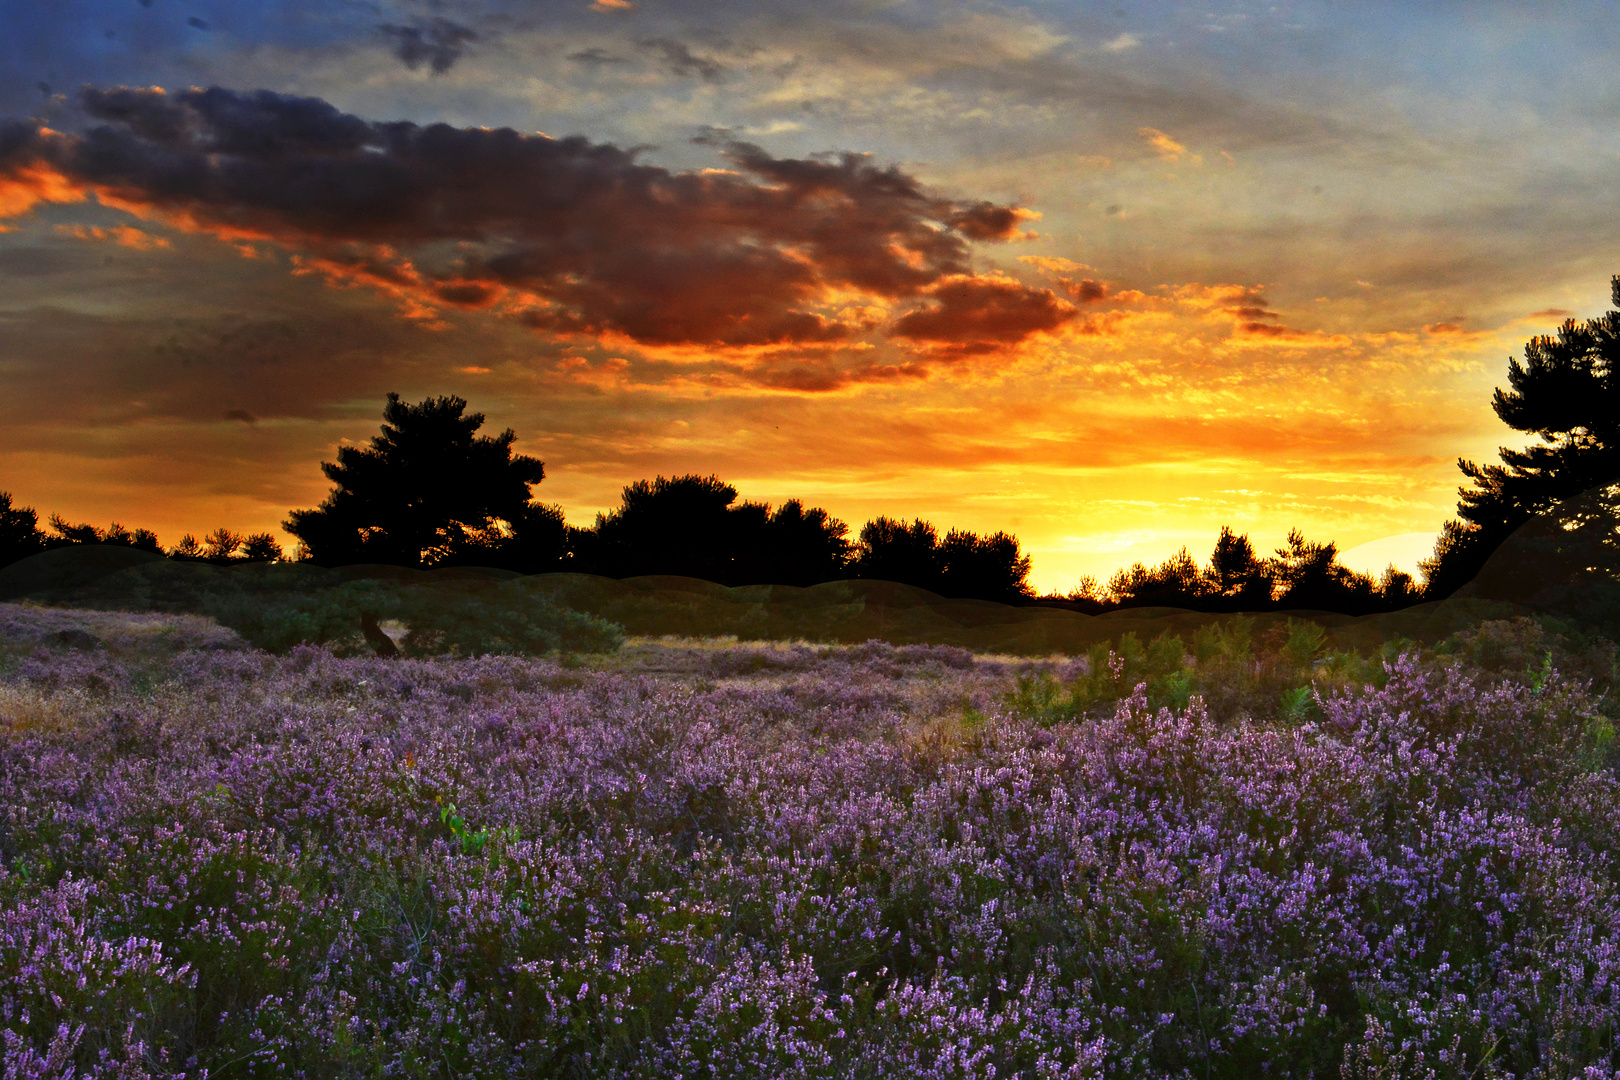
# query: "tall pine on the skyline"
1567,392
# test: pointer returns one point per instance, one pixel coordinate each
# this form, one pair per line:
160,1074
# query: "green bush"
1277,680
460,618
1526,649
498,618
1229,639
330,617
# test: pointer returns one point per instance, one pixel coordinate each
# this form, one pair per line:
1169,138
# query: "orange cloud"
122,235
1084,291
1166,147
1053,264
1245,305
468,293
381,270
1268,330
1207,297
1247,310
1105,324
26,184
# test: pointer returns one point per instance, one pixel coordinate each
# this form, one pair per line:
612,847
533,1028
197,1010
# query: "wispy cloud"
437,42
1164,146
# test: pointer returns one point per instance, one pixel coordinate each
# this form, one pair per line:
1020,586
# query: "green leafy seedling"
474,841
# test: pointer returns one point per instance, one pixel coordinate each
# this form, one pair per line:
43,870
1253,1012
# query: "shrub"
466,619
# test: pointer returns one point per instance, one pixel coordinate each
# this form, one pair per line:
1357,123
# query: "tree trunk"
381,642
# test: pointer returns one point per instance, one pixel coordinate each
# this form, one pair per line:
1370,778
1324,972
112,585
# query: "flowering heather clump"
22,626
821,862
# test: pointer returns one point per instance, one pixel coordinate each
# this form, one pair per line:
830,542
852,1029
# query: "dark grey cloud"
438,42
978,316
596,56
582,237
680,60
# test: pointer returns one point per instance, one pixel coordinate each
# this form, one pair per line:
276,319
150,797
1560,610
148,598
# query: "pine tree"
19,531
1236,575
1567,392
425,489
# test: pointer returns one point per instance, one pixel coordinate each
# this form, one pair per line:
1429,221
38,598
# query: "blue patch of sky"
168,43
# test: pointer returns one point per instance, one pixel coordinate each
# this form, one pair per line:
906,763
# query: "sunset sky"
1107,276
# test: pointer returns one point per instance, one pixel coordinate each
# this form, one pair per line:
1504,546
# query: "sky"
1106,276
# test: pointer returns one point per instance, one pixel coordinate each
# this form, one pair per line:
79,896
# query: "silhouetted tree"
984,567
1301,575
1309,575
1236,576
220,546
675,525
789,546
1176,582
261,547
535,543
1397,590
425,489
1088,595
963,565
693,526
891,550
1567,391
19,531
188,548
69,534
1564,562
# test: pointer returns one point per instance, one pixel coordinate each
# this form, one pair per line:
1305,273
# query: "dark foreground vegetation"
1235,854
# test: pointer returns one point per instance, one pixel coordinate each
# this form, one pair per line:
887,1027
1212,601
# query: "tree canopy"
964,564
67,534
19,531
222,547
1236,574
427,491
693,526
1302,575
1567,392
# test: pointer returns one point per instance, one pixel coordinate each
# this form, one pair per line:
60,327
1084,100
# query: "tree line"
21,536
1303,575
430,491
684,525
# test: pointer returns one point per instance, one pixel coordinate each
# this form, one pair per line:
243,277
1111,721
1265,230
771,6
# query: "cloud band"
571,236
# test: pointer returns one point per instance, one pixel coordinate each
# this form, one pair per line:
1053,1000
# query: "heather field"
1240,853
